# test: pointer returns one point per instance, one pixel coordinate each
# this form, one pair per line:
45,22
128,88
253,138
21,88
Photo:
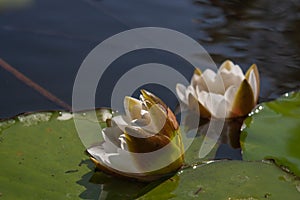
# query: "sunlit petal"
196,77
212,102
119,162
111,136
211,82
198,107
158,119
252,76
190,90
229,97
121,122
151,99
243,100
181,93
132,107
231,74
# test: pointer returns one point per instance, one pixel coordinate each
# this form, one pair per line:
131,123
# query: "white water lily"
225,94
145,144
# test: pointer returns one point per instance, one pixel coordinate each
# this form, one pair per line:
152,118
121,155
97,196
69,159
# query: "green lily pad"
273,132
193,155
42,157
228,180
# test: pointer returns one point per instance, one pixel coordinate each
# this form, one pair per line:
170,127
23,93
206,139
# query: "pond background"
48,40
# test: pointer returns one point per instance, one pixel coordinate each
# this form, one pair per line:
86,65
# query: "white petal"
201,96
132,107
253,83
122,160
190,90
215,103
121,122
99,153
231,74
158,119
181,93
221,110
195,80
231,68
137,132
123,144
229,95
145,119
211,82
109,147
196,106
111,138
154,122
227,64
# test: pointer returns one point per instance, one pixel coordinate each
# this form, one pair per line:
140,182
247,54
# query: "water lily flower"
145,144
225,94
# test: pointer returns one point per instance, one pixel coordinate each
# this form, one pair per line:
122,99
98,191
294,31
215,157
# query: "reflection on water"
212,142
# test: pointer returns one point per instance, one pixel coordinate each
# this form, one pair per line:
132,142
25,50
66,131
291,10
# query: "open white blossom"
145,144
225,94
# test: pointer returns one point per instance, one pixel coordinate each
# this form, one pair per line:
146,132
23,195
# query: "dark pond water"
48,40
